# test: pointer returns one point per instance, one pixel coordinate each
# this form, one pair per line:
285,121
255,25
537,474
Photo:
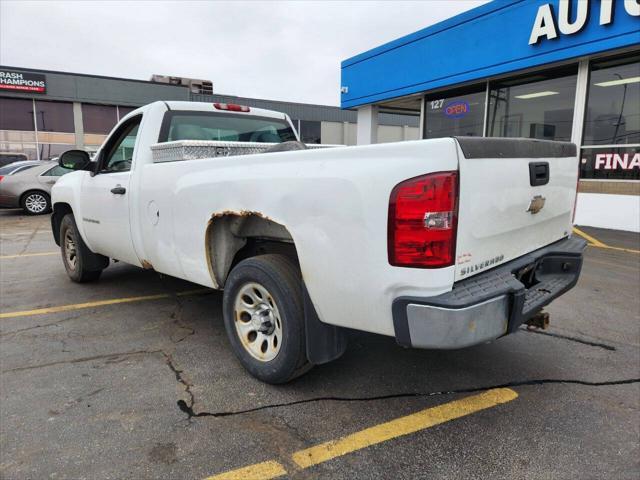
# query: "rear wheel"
36,202
264,318
79,261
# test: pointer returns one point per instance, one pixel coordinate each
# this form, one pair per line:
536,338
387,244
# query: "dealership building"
44,113
548,69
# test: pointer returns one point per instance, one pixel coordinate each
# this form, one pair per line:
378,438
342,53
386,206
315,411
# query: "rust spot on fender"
147,265
224,213
238,213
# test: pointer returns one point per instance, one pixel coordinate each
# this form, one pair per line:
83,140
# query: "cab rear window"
224,127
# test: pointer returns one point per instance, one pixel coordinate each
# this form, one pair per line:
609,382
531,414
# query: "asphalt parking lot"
131,377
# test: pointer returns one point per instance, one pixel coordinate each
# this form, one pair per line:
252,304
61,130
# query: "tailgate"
516,195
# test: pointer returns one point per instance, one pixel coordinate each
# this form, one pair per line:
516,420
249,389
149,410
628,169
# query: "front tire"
264,318
35,203
79,262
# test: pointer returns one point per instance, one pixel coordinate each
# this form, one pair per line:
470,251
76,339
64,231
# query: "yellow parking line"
259,471
99,303
39,254
374,435
594,242
620,249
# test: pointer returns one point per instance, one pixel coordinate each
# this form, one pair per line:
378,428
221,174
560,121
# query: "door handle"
118,190
538,173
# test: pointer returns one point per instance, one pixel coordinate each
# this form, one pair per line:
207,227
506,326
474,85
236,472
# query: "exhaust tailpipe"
539,320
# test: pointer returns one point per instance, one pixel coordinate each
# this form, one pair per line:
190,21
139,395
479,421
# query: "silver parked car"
28,185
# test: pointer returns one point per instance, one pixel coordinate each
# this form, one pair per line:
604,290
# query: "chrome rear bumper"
491,304
436,327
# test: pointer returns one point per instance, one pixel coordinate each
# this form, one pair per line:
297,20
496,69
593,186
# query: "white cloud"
277,50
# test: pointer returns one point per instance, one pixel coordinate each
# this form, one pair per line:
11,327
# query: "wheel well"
59,211
233,236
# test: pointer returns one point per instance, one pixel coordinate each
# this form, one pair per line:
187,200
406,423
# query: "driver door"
105,196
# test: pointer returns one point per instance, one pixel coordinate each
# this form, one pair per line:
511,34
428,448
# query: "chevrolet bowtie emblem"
536,204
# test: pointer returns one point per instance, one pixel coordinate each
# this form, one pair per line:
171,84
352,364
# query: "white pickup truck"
442,243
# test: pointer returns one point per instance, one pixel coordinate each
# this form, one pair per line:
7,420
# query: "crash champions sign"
22,81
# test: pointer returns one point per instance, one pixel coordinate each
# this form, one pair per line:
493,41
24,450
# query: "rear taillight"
1,177
423,215
232,107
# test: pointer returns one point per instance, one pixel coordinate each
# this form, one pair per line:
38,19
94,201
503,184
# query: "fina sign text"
548,24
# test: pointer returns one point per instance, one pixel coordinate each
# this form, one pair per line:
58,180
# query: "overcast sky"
276,50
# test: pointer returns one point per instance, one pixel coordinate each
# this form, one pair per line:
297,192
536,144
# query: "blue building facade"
497,38
550,69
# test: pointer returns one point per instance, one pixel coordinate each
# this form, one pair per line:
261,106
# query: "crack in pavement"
177,313
116,358
187,407
182,405
77,316
108,356
15,332
571,339
30,239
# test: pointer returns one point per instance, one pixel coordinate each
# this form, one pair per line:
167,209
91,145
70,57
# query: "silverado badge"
536,204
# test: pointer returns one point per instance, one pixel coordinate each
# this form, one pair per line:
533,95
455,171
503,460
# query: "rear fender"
228,233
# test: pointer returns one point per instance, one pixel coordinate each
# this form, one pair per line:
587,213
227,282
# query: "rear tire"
264,317
36,202
79,262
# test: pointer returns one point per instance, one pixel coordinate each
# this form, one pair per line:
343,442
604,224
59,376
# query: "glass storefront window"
98,118
16,114
54,116
536,106
309,131
455,113
613,103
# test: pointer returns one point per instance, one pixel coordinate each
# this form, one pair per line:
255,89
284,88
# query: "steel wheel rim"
36,203
70,250
258,322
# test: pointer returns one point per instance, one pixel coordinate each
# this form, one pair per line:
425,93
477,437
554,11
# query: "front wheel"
35,203
81,264
264,318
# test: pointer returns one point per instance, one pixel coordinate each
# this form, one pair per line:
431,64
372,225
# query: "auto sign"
456,109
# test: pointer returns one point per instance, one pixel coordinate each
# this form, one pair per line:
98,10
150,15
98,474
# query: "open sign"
457,109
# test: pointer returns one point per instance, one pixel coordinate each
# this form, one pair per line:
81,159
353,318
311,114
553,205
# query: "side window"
56,171
119,152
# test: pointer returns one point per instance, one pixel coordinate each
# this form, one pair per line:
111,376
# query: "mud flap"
324,342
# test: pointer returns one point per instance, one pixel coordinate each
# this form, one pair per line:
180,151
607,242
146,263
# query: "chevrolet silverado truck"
442,243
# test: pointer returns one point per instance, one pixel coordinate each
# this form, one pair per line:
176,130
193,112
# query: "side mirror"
74,160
